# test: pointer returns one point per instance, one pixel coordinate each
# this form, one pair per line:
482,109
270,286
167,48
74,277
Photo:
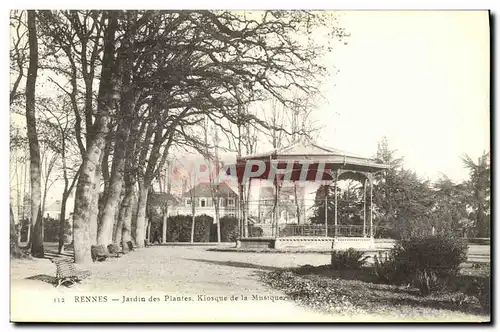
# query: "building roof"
317,157
158,198
205,190
302,149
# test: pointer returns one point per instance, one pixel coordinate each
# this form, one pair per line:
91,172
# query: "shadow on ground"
45,278
237,264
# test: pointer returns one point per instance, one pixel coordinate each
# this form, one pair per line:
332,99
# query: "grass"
359,292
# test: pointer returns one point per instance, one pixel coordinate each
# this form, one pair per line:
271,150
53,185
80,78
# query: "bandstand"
312,163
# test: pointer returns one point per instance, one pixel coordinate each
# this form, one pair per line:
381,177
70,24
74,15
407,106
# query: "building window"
203,203
188,202
222,202
230,201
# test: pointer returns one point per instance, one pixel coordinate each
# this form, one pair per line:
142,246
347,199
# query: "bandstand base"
306,243
361,243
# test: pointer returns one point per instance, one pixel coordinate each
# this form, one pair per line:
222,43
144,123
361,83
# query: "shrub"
428,281
482,290
255,231
349,259
443,255
426,263
386,268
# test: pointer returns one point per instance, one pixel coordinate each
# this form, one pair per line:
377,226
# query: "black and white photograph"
249,166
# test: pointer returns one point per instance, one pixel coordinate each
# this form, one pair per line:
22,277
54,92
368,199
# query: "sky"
419,78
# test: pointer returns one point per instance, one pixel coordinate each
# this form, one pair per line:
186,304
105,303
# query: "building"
202,199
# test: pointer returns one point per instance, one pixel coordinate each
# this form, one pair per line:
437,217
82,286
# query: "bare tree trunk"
24,198
118,229
125,216
141,215
91,159
15,250
164,224
241,217
67,190
217,219
193,213
94,203
35,171
148,231
62,220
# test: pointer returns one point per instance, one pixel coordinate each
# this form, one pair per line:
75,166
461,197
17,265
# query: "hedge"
179,228
228,229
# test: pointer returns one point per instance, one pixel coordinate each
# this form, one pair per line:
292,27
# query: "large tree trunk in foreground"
116,179
126,215
118,230
140,230
91,159
35,171
94,206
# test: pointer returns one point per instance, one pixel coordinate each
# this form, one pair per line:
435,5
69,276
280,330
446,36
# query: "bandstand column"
335,195
371,208
326,211
364,208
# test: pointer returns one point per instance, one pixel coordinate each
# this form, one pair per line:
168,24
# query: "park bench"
66,272
98,253
114,250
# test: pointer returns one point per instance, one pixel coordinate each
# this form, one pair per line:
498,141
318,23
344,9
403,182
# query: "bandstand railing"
305,230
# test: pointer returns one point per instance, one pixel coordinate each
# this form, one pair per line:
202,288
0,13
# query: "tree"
35,169
478,188
96,140
324,204
59,138
402,201
450,211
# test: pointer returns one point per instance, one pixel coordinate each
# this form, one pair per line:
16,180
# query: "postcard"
249,166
